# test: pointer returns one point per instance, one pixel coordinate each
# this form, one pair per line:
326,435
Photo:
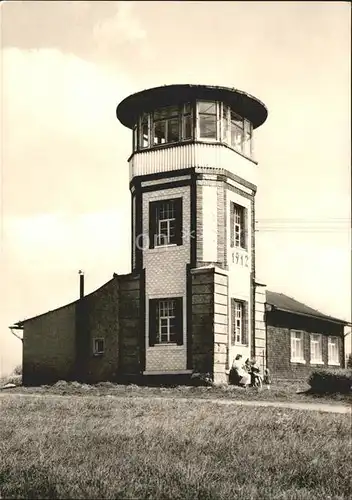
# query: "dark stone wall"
59,344
101,310
49,347
202,323
132,317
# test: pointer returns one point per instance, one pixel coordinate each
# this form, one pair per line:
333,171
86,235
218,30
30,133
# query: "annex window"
333,351
238,234
316,348
239,322
165,321
98,346
165,222
297,351
207,119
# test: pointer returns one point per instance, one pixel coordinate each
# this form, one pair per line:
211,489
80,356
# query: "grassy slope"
78,447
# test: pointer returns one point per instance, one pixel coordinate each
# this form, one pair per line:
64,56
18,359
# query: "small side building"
95,338
300,338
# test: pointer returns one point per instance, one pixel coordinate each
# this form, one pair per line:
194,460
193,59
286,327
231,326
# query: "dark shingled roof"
283,302
147,100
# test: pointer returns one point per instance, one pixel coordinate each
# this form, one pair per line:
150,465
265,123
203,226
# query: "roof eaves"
317,316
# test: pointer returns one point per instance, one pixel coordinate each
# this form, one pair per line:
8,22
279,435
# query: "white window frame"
162,239
316,349
297,337
184,116
140,132
239,230
332,360
220,138
96,351
207,139
166,120
166,317
239,337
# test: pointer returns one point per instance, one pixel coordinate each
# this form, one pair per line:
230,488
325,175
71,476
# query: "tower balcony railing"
183,156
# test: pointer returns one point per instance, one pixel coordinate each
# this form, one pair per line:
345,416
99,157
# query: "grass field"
281,391
108,447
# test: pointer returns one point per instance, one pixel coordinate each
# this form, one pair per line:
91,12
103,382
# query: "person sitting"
239,374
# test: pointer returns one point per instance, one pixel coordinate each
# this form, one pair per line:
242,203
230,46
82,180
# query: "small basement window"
98,346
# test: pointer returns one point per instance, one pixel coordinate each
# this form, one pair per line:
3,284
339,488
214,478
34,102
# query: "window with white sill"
238,229
165,321
239,322
297,347
165,222
316,348
333,351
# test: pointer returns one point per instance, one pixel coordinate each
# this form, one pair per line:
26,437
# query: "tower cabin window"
144,131
207,119
215,122
166,125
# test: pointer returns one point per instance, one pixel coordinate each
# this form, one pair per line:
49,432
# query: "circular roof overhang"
146,101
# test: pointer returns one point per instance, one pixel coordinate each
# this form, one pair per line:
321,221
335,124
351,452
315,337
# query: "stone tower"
193,185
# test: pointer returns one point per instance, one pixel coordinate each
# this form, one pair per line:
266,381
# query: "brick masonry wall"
166,276
49,346
279,344
260,326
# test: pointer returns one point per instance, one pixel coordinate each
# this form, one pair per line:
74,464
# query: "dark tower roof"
244,104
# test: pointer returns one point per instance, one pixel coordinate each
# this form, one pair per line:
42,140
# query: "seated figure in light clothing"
239,373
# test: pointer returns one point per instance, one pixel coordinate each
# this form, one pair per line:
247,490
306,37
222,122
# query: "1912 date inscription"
240,259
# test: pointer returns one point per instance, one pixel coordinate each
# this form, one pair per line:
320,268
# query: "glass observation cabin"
181,114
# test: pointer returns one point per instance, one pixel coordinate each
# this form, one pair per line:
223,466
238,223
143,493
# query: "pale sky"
64,191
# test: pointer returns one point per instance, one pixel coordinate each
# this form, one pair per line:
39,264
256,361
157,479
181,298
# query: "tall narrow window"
225,124
239,326
187,122
316,348
165,321
166,124
247,139
297,352
333,351
237,133
207,114
144,132
165,222
135,138
238,226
